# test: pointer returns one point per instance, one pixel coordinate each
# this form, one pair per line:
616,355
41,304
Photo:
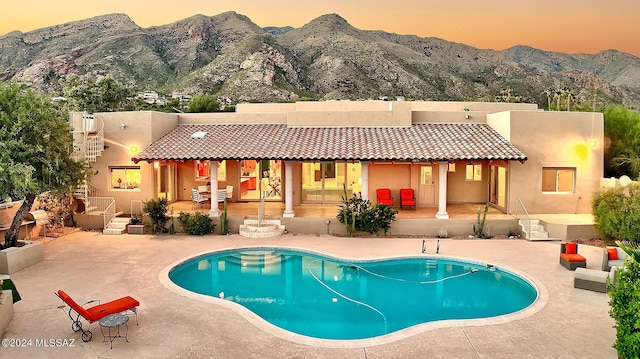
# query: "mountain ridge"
326,59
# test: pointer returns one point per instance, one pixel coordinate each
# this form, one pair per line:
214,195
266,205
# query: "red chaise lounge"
94,313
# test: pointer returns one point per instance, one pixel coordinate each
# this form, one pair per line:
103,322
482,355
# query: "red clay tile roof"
420,142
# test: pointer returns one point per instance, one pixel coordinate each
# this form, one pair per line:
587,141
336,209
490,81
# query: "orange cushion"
573,257
571,248
115,306
613,254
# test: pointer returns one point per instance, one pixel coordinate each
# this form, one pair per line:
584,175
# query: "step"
532,221
117,225
262,228
537,234
268,231
125,220
113,231
265,222
538,239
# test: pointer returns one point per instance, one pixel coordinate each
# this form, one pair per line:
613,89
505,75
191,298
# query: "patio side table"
114,321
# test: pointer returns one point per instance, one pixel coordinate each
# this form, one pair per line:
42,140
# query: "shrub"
197,223
358,215
157,211
625,306
616,213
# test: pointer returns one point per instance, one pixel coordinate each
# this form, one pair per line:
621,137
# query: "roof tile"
420,142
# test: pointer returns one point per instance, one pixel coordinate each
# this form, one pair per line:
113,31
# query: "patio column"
213,176
288,189
365,180
442,191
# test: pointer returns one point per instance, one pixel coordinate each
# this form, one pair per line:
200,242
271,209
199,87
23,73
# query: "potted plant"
135,226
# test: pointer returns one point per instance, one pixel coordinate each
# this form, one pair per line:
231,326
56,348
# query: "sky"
570,26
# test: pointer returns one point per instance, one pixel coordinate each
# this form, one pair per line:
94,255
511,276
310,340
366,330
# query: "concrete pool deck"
574,323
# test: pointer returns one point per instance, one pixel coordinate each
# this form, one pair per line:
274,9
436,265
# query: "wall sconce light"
133,149
123,126
593,143
467,116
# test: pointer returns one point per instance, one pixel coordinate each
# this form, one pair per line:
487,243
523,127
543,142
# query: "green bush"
358,215
616,213
157,212
625,309
197,223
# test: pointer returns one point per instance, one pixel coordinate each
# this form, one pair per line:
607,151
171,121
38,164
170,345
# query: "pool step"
269,227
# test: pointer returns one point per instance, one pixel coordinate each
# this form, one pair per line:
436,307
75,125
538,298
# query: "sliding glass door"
325,182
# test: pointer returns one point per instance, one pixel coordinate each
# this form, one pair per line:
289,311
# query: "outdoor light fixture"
133,149
123,126
593,143
467,116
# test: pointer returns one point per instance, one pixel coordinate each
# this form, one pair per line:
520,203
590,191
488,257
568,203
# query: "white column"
288,189
213,176
442,191
365,180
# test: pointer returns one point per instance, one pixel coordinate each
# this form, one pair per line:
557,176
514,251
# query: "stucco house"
307,153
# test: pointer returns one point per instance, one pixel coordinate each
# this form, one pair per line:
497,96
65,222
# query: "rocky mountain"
327,59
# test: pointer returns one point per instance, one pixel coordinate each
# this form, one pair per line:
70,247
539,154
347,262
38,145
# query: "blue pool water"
331,298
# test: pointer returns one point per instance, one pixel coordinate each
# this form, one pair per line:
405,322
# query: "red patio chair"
94,313
384,196
407,198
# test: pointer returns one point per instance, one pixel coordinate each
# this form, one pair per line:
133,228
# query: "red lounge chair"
384,196
407,198
94,313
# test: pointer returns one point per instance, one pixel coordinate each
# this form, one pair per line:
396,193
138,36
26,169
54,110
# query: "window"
474,173
558,179
203,170
126,178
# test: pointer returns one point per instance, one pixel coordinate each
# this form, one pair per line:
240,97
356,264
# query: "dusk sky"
571,26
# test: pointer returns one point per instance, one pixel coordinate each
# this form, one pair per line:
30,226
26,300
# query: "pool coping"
538,304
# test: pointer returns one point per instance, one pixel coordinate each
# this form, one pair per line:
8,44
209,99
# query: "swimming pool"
324,297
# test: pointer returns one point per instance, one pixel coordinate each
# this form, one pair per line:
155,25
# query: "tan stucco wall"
501,122
448,117
471,106
459,190
394,114
230,117
389,176
141,129
551,140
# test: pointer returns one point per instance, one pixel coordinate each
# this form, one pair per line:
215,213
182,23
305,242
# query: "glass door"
325,182
426,191
498,185
261,179
166,181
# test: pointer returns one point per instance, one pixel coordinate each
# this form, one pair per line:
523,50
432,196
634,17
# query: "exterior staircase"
533,230
118,225
88,144
268,227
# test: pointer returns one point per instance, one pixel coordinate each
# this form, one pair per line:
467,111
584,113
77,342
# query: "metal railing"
86,190
527,224
137,208
105,206
85,146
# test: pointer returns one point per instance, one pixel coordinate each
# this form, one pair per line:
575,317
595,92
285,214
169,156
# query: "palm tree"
568,96
549,93
558,93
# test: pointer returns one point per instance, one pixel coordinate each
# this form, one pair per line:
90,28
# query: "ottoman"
590,279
